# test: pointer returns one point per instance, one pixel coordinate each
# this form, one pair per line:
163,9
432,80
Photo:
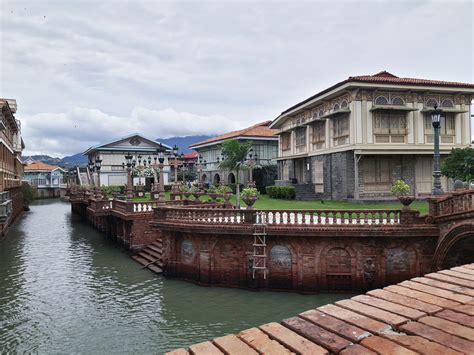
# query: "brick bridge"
304,250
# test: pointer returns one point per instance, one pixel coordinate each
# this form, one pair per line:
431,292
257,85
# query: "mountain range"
80,160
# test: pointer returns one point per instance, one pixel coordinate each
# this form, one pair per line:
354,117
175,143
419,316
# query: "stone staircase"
305,192
150,256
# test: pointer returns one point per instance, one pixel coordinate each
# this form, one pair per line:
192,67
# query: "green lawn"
266,203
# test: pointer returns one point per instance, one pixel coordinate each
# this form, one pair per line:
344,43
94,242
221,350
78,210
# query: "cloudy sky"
85,72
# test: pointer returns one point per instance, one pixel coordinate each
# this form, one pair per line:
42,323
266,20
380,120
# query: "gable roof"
40,166
259,130
103,146
384,77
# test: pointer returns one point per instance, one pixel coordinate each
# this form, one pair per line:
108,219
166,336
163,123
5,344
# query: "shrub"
281,192
29,193
400,188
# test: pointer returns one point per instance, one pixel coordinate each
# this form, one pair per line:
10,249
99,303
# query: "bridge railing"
455,202
218,215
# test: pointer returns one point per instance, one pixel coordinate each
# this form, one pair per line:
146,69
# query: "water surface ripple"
65,288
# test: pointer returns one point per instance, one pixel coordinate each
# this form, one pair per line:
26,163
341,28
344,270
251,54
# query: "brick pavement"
431,315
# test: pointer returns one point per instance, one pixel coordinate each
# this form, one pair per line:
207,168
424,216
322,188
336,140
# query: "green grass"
266,203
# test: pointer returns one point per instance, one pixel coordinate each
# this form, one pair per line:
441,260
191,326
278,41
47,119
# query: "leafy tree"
234,155
459,164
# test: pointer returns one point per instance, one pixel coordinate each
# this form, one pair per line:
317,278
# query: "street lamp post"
183,166
98,165
161,180
436,121
175,164
252,162
129,163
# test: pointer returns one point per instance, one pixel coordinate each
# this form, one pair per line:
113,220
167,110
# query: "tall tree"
234,156
459,164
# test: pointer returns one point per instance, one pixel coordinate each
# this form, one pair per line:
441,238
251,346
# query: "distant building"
264,152
48,179
113,170
11,166
355,138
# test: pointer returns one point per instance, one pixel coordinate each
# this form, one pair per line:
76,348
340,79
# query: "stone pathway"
431,315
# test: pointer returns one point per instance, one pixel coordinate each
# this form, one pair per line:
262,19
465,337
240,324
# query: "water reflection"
65,288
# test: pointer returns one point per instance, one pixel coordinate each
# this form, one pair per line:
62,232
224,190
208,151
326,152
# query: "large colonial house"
263,154
48,179
113,170
11,166
355,138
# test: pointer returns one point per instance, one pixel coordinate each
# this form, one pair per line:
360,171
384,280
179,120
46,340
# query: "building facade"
47,179
264,151
354,139
113,169
11,166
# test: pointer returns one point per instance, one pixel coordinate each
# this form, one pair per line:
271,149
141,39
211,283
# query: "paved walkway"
431,315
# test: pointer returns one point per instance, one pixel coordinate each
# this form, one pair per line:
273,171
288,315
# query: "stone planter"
186,195
213,196
197,195
250,201
227,197
406,201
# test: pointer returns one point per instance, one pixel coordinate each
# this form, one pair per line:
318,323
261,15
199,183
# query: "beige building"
113,170
354,139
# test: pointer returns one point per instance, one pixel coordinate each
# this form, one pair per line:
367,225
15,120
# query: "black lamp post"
436,121
184,165
161,180
129,163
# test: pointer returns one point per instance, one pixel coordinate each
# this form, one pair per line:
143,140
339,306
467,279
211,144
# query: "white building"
113,167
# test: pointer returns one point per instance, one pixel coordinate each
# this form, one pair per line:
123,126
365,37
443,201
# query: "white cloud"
75,130
210,66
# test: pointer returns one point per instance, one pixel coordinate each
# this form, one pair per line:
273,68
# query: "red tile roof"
384,77
38,165
192,155
259,130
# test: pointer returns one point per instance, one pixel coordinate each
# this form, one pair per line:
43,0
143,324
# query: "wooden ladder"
259,261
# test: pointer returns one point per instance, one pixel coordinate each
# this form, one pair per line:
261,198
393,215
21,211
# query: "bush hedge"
281,192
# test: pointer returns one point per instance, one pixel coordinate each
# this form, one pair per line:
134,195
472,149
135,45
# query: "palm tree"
234,155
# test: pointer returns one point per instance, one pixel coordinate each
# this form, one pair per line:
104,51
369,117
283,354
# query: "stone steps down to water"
150,256
432,315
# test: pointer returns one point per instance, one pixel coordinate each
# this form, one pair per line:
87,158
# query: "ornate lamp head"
436,117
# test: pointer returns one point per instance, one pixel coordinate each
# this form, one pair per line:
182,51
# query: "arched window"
447,103
381,100
338,260
336,107
397,101
344,104
431,103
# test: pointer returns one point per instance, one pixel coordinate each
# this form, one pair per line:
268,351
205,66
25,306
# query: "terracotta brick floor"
431,315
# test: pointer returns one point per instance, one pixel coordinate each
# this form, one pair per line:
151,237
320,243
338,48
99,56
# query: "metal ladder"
259,261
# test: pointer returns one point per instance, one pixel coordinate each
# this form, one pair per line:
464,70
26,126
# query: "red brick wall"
302,263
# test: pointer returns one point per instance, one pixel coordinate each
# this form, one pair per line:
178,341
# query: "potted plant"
402,191
226,192
195,191
250,196
213,193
